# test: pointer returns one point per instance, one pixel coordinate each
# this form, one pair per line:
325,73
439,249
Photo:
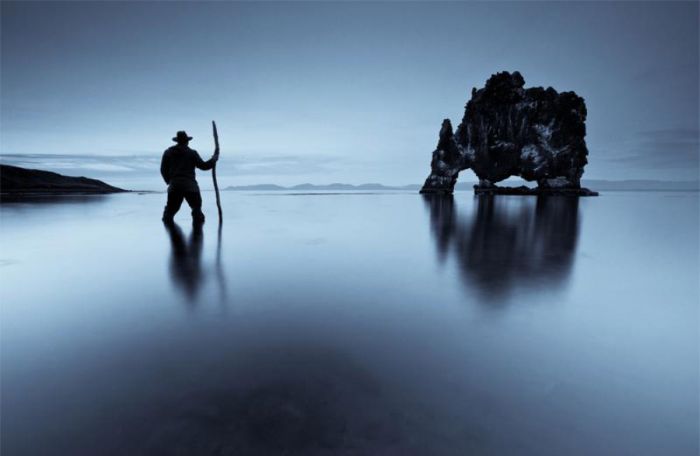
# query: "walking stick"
213,172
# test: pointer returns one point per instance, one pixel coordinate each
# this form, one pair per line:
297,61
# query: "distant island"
20,181
604,185
328,187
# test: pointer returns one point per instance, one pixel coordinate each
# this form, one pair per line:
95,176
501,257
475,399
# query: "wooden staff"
213,171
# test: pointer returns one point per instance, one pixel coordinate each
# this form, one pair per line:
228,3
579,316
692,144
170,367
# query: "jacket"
177,167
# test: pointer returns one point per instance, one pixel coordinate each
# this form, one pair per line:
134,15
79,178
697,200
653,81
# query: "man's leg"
194,199
174,202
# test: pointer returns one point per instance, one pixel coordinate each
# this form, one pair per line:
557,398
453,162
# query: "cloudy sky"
334,92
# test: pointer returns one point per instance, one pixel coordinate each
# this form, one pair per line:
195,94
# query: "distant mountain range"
593,184
313,187
641,185
16,180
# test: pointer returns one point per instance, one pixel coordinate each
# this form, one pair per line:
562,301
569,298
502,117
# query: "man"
177,169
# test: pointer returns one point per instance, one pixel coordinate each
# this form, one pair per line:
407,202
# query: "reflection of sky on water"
328,323
507,243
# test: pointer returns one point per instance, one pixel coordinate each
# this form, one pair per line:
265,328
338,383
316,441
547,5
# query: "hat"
182,136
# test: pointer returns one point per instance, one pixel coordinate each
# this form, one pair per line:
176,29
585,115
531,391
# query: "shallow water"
382,323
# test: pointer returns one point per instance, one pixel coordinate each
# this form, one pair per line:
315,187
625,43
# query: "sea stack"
507,130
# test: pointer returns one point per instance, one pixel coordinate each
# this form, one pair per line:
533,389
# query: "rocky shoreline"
17,181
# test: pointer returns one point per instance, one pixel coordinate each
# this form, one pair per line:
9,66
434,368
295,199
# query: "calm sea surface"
372,324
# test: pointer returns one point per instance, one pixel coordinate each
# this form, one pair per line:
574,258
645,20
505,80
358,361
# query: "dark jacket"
177,167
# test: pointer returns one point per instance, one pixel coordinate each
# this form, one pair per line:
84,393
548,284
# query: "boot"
167,218
197,217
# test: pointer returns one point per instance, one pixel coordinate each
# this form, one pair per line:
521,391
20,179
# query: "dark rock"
15,180
507,130
446,163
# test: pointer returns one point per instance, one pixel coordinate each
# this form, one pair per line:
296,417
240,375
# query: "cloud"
144,165
658,74
75,164
669,149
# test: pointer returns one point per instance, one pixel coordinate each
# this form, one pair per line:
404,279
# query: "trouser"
175,197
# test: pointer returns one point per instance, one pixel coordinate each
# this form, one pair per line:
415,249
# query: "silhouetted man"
177,169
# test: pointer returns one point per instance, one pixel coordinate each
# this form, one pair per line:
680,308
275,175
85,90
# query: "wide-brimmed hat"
182,136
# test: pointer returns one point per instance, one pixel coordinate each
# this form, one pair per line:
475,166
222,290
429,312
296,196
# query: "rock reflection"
186,259
507,242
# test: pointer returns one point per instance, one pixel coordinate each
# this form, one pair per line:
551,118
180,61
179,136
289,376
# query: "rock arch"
507,130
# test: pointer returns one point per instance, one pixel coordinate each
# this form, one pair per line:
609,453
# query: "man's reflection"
507,242
185,259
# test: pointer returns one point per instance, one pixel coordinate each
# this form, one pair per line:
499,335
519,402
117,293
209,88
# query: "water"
352,323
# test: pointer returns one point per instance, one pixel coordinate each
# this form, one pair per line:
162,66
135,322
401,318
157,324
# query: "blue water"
388,323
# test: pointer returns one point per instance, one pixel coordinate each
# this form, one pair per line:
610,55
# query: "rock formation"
507,130
16,180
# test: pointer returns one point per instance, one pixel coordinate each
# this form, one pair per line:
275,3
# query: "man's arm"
165,167
205,165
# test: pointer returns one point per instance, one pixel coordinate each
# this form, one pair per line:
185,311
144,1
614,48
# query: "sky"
333,92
